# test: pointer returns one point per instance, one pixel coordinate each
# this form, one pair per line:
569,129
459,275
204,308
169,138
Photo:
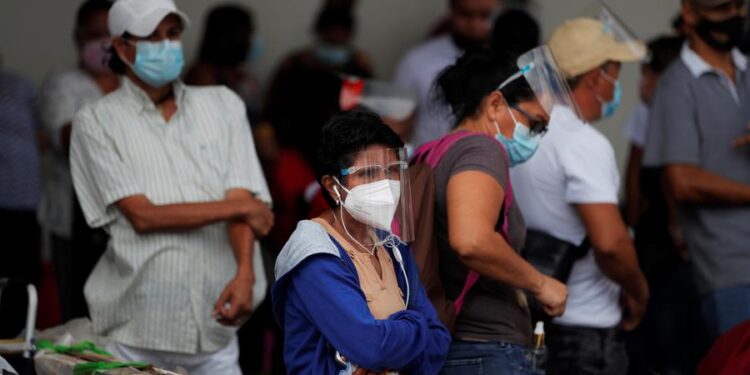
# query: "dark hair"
346,134
226,35
334,16
663,51
87,10
515,32
115,62
475,75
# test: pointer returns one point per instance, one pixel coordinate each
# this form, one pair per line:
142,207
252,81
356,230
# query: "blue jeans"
495,358
725,308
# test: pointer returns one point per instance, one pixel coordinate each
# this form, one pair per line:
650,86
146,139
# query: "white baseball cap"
140,17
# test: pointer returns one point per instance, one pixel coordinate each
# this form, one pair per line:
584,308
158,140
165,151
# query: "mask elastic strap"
343,223
516,75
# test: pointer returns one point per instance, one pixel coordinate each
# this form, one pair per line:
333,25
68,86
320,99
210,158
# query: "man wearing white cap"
170,171
698,136
569,190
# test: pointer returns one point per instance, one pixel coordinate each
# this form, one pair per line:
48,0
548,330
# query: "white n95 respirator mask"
374,203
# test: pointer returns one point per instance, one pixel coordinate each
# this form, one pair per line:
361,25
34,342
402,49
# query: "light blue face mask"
158,63
522,146
332,55
610,107
256,50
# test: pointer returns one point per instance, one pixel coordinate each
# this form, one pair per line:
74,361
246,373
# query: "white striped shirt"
157,291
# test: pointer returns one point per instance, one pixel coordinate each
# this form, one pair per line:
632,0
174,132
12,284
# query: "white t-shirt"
575,164
636,127
63,93
417,71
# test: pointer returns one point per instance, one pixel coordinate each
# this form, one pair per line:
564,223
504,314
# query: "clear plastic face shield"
618,30
374,194
389,101
541,72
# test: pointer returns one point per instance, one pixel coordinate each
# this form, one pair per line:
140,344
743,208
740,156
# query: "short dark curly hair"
344,135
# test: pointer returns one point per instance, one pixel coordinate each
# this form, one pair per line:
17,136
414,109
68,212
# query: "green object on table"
79,348
91,368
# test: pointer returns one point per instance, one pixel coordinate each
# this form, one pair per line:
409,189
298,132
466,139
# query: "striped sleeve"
100,175
244,170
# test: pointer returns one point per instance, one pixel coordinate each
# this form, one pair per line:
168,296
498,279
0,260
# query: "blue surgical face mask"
610,107
158,63
332,54
522,146
256,50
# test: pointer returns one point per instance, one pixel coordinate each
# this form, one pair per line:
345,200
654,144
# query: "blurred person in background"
515,32
75,246
668,340
569,190
227,50
20,190
479,227
470,27
698,135
170,172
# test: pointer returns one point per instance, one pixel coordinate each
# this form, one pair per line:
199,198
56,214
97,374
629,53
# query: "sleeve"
56,107
244,170
477,153
100,175
431,360
673,135
590,169
333,301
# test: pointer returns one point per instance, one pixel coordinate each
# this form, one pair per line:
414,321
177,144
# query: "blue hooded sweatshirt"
318,302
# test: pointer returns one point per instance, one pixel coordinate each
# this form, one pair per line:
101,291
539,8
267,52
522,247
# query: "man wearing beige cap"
699,117
170,171
569,190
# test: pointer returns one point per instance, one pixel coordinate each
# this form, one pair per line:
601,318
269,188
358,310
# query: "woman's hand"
553,295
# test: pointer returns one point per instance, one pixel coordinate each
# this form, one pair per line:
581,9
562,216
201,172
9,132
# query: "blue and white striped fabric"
157,291
20,183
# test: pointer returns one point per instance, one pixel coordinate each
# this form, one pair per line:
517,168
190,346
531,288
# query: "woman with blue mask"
501,107
347,291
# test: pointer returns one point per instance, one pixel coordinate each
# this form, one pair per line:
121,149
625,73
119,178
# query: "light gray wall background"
36,35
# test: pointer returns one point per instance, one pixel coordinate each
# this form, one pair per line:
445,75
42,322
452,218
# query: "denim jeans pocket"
465,366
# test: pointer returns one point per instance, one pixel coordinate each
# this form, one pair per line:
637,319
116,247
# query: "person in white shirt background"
470,26
75,247
569,191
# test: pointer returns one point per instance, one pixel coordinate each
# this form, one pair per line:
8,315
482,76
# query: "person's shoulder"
219,93
307,240
18,82
676,76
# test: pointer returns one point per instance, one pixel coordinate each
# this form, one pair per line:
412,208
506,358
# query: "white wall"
35,35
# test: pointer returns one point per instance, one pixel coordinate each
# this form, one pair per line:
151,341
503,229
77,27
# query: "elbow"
611,247
466,245
680,184
682,192
140,226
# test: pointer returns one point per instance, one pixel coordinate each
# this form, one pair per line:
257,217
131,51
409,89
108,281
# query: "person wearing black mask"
699,120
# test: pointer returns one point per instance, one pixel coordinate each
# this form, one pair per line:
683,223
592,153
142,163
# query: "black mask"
733,28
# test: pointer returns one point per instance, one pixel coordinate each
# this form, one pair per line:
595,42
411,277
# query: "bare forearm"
695,185
633,201
495,259
621,266
148,218
242,239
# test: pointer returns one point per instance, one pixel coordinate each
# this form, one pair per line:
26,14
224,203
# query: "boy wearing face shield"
347,290
170,172
698,137
569,190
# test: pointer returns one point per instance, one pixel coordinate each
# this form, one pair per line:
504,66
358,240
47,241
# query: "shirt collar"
698,67
143,100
